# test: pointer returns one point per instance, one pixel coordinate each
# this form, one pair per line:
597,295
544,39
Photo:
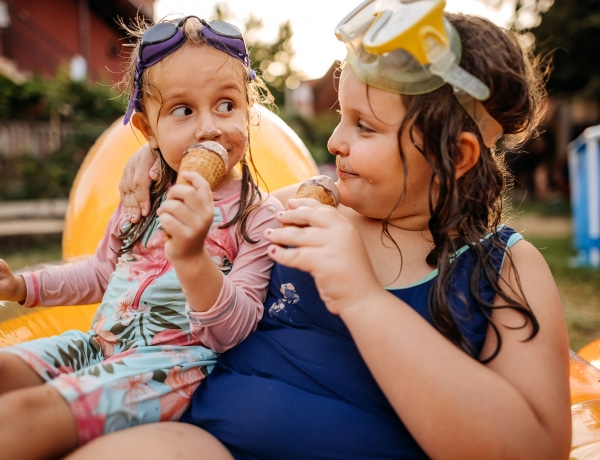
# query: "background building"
38,36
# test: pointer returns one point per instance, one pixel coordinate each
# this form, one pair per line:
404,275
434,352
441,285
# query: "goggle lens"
225,29
159,33
160,41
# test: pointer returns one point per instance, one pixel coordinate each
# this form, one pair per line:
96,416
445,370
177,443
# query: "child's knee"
39,414
16,373
33,400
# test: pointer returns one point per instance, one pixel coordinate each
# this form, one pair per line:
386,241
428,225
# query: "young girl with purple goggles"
164,38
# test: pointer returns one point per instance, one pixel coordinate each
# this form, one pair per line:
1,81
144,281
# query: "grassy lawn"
579,287
28,251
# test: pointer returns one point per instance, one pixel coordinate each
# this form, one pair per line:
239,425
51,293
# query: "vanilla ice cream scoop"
322,188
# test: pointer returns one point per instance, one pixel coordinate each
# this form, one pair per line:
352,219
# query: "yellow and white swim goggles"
407,47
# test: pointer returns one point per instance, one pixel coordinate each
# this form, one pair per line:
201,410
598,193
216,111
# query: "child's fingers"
174,209
302,258
131,207
154,171
294,203
195,179
188,208
307,212
196,194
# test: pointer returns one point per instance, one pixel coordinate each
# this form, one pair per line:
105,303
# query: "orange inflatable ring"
279,155
585,402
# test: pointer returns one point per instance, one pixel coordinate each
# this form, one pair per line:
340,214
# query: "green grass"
21,252
579,287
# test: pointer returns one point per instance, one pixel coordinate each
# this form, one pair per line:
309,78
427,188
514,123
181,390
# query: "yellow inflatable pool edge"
585,402
19,324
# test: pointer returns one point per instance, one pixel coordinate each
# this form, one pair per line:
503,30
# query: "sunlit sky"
313,22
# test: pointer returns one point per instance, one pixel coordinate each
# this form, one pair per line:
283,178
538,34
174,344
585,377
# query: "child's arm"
134,186
76,283
517,406
239,304
285,193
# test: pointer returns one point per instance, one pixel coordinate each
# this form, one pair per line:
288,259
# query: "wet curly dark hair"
466,210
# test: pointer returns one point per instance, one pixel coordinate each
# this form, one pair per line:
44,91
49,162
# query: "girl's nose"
336,144
207,131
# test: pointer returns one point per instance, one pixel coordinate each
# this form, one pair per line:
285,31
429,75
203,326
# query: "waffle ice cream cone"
322,188
207,158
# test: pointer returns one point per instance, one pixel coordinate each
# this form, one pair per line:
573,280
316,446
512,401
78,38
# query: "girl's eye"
182,111
364,128
226,106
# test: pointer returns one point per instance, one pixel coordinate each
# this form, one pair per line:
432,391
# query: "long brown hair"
468,211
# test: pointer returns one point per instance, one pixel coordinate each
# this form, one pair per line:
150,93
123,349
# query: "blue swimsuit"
298,388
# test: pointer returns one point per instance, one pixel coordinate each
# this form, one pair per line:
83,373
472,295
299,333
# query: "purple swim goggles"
163,38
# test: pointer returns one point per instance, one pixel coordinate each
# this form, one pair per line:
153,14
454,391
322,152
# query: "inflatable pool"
585,402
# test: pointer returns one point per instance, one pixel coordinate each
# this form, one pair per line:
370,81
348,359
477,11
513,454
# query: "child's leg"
138,386
16,373
36,423
37,361
155,441
35,419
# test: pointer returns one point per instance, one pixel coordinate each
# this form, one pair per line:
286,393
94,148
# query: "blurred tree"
568,32
271,60
274,61
565,34
527,13
45,99
86,109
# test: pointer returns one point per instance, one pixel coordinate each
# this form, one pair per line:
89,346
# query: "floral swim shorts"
140,385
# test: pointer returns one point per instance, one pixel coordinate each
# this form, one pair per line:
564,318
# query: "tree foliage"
526,13
570,32
271,60
42,99
92,107
88,108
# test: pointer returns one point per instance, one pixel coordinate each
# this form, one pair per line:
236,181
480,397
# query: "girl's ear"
468,145
140,121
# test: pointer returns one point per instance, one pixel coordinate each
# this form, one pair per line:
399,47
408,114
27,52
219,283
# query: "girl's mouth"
343,174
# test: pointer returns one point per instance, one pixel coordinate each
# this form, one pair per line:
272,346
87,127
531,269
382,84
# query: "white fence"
18,137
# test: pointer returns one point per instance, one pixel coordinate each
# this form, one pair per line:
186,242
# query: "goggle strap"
129,111
445,65
491,131
134,99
